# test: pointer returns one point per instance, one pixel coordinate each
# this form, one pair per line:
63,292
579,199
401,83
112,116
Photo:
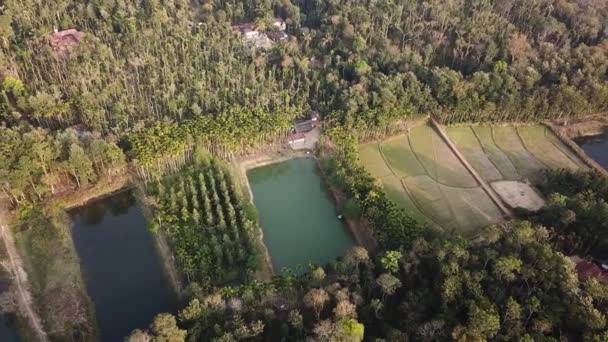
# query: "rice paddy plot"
395,191
527,165
427,195
536,140
400,158
468,144
438,160
372,159
474,209
499,159
430,182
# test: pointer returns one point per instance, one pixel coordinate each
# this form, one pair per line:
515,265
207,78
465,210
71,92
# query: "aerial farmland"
420,172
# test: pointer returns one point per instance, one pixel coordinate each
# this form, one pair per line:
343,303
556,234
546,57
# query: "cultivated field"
512,153
420,173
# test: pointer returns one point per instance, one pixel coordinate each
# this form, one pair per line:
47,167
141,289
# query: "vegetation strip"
487,189
24,297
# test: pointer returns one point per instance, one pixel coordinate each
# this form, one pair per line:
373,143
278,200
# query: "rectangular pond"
122,271
297,214
8,330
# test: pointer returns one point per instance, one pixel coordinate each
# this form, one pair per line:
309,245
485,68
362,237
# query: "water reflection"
596,147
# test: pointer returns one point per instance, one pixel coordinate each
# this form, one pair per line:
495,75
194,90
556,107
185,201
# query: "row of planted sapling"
208,224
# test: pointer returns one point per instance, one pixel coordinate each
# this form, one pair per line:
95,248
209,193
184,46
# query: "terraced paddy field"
512,153
421,174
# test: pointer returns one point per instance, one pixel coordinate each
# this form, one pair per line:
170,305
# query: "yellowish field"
422,175
429,181
517,153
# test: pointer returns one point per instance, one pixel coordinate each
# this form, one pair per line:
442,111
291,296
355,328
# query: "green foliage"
353,330
577,208
203,216
392,226
37,161
390,261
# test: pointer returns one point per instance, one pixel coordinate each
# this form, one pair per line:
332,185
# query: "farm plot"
428,180
544,145
517,153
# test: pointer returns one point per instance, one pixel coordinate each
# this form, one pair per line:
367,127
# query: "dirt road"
24,298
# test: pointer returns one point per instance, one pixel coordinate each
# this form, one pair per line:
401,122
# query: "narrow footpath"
24,297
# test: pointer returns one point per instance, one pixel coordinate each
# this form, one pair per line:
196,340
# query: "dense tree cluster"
234,132
509,285
577,208
36,162
141,62
205,219
166,75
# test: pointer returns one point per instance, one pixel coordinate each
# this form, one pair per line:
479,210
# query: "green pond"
297,214
123,273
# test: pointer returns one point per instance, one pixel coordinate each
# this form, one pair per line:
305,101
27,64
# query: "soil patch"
518,195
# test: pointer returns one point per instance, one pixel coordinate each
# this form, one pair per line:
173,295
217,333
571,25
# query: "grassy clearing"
535,139
469,145
44,239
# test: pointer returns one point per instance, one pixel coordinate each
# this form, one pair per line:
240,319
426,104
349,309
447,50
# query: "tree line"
144,62
38,163
511,284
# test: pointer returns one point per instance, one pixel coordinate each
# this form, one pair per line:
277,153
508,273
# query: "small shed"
587,269
297,138
278,36
64,42
279,24
304,127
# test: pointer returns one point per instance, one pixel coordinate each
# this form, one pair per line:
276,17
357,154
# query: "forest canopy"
141,62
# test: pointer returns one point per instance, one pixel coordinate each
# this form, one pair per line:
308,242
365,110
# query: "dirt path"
24,297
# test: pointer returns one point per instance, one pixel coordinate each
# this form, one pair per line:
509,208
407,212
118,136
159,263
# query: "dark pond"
123,273
596,147
8,331
297,214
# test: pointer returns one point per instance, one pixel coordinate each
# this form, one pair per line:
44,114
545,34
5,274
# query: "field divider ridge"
487,189
577,149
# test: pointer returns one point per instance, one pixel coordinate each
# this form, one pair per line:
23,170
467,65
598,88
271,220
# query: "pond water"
297,214
8,330
123,273
596,147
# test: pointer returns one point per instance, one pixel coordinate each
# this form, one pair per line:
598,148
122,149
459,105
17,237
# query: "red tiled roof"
587,269
69,37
